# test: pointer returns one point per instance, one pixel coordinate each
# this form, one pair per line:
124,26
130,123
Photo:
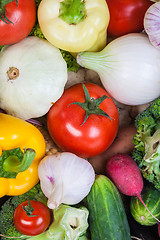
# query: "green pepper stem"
72,11
12,163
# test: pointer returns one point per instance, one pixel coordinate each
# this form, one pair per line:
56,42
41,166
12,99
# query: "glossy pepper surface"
74,25
17,133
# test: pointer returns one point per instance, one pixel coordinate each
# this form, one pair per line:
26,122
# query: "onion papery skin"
129,68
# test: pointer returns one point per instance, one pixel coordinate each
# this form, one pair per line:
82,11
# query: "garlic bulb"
33,74
65,178
152,24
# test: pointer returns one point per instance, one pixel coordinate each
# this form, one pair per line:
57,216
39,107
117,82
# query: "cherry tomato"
66,124
37,220
22,16
126,16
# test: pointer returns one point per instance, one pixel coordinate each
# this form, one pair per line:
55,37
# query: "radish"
126,175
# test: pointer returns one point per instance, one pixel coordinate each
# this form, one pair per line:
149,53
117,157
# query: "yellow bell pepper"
74,25
17,133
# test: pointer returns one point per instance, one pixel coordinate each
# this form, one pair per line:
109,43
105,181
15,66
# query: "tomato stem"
3,16
91,105
29,209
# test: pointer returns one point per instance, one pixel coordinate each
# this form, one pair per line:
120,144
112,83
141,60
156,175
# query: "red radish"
126,175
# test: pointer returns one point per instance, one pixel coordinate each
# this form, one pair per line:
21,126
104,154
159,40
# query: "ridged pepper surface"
22,146
74,25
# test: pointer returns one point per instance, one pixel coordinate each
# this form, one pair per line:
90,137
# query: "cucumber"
107,216
151,197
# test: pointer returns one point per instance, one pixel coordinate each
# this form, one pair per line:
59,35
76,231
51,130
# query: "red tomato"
32,225
65,120
126,16
22,16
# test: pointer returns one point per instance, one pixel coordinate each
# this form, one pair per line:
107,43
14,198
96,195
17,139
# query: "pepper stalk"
72,11
13,164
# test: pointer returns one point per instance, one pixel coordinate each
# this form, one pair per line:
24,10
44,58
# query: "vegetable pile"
79,119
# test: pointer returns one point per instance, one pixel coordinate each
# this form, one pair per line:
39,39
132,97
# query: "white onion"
40,78
129,68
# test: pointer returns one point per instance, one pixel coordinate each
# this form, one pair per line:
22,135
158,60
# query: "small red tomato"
31,217
126,16
70,128
19,21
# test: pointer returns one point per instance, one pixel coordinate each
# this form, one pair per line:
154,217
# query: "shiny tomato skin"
126,16
22,16
65,120
34,225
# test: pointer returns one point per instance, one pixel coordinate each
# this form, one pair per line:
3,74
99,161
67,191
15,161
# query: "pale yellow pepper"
75,25
17,133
